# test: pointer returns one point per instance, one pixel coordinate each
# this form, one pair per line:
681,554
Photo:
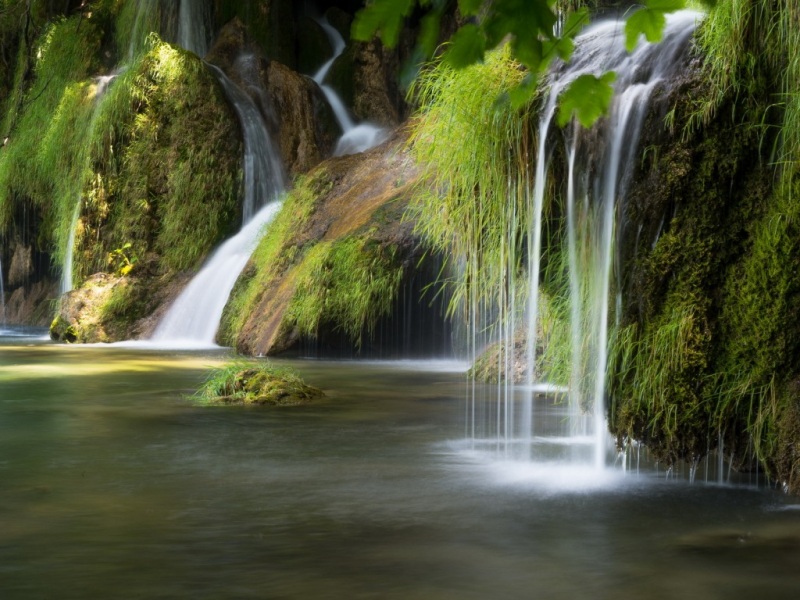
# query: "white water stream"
193,17
596,187
193,319
355,137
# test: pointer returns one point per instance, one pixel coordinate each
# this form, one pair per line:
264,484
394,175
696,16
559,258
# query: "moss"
682,375
166,163
349,283
243,382
276,251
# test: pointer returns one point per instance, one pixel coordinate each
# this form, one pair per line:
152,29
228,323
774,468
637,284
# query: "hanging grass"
477,155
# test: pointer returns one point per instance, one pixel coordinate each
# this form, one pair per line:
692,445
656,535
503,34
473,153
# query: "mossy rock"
104,308
261,384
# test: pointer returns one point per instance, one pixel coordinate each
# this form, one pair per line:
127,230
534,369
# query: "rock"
365,76
21,268
307,130
80,315
313,46
30,304
293,106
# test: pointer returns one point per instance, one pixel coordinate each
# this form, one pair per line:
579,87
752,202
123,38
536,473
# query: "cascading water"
193,319
596,186
101,86
355,137
193,16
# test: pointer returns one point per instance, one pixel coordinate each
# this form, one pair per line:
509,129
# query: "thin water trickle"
356,137
193,16
102,84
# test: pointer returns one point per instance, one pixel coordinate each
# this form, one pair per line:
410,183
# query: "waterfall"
599,166
193,16
101,87
355,137
193,319
142,20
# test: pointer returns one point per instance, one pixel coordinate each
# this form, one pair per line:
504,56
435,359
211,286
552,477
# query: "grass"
473,202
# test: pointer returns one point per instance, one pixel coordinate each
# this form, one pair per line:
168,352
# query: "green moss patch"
243,382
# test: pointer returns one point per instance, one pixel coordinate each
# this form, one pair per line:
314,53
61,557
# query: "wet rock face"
21,268
306,128
293,106
361,196
27,282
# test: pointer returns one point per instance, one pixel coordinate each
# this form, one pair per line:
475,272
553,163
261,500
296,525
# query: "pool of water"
114,484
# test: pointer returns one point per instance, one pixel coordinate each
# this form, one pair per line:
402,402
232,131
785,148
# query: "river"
114,484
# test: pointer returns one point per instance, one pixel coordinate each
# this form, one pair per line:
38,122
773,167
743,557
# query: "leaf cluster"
537,31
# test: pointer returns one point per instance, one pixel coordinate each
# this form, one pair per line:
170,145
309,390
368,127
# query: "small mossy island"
259,383
124,166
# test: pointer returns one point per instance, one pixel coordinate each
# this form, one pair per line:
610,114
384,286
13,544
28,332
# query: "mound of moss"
256,383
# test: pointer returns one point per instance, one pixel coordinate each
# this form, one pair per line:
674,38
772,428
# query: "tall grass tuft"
477,155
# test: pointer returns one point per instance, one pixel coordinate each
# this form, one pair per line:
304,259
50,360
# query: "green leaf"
665,6
588,98
575,22
649,21
644,21
521,95
429,33
384,17
469,8
467,47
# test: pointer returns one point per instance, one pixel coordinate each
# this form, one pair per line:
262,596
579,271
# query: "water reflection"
114,485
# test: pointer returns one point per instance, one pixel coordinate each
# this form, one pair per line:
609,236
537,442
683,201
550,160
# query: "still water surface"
114,485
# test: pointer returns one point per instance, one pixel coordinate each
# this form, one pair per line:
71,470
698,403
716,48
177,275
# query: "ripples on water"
114,485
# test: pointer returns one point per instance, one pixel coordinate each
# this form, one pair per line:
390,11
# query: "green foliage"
255,382
649,21
527,26
588,98
43,133
166,156
349,283
749,46
119,260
